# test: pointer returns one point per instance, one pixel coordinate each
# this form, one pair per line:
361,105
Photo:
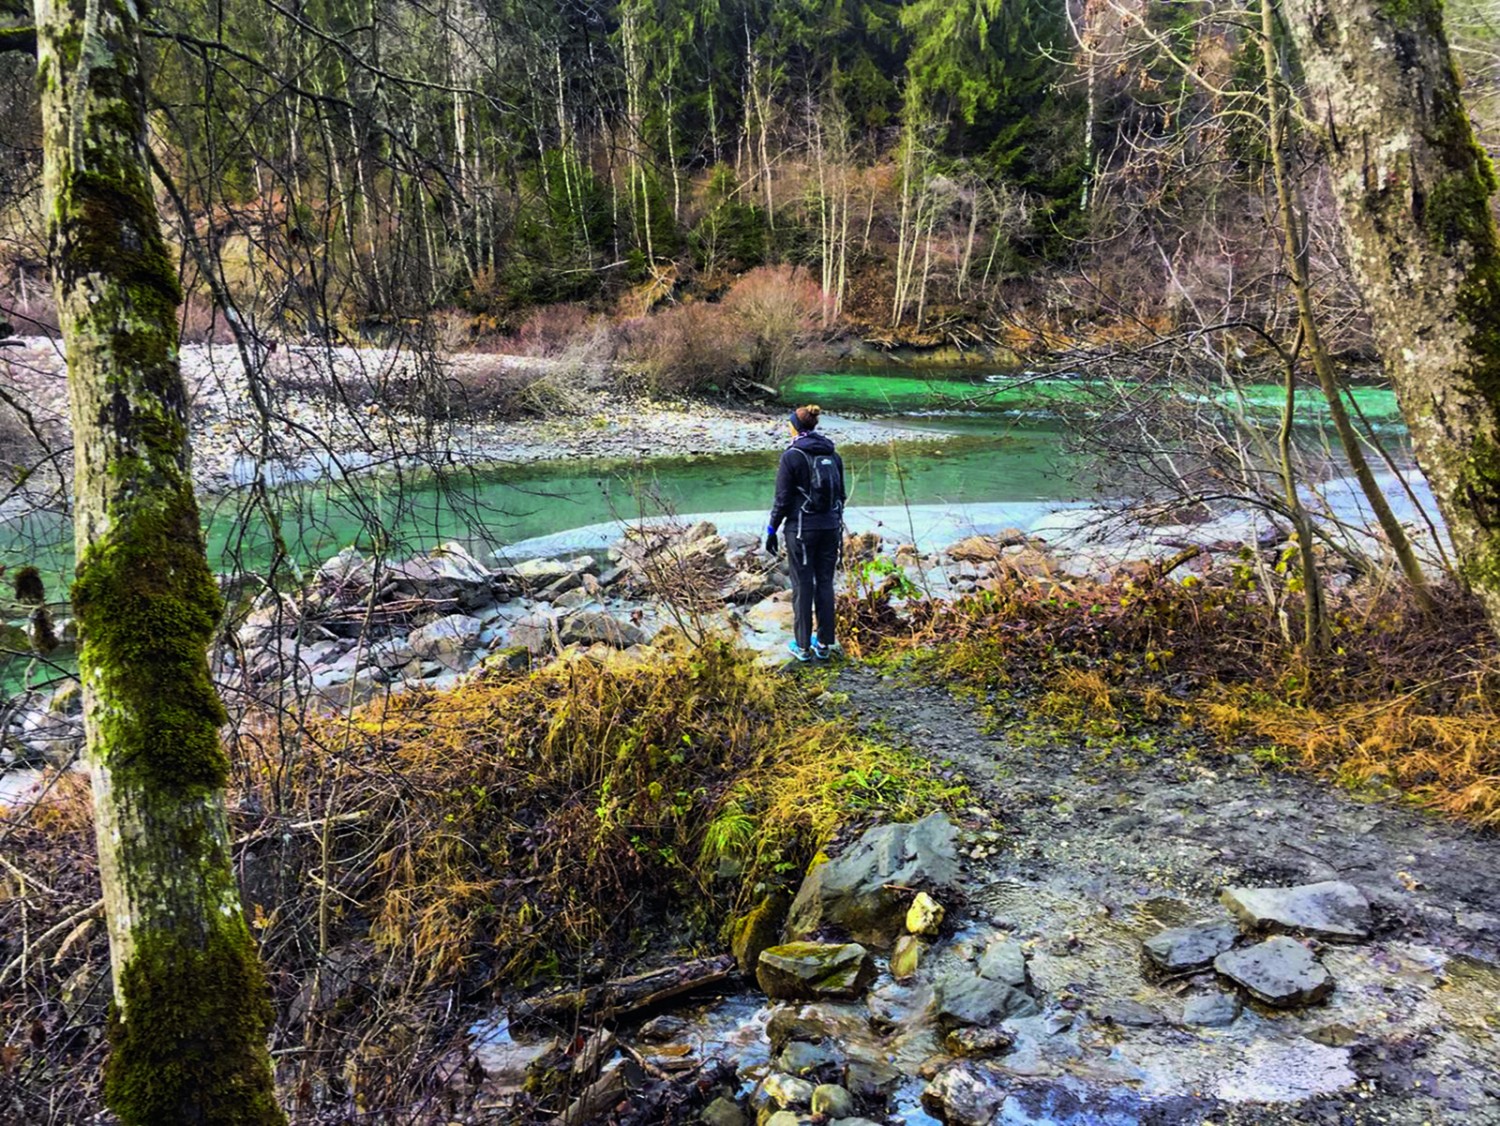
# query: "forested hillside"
346,166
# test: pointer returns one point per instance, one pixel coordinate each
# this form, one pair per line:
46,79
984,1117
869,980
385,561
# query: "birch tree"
1413,188
191,1009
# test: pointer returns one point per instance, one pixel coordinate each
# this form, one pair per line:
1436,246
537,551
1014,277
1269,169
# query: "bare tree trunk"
1413,189
191,1006
1295,248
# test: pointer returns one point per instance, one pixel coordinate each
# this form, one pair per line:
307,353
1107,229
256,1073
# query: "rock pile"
890,994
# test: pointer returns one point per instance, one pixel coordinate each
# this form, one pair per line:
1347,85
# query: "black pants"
814,559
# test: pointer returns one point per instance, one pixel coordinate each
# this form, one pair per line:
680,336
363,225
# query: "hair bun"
814,410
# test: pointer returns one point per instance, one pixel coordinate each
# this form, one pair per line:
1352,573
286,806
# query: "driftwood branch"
616,998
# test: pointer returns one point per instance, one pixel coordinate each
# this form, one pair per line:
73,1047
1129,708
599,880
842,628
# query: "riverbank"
337,411
516,816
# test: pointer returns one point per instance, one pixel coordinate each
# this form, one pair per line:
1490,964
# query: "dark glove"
771,545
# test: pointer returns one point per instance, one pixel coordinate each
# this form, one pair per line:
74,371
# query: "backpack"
825,489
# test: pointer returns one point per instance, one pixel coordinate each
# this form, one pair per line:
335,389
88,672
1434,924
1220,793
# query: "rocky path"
1080,855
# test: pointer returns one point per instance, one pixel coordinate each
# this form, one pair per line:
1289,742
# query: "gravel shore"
332,412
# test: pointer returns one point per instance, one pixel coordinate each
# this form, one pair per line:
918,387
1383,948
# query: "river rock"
905,957
832,1100
1126,1013
1004,960
898,1006
853,892
392,653
963,997
986,549
820,1020
1211,1010
1279,971
723,1112
963,1096
757,929
591,627
448,639
535,632
1185,949
788,1118
1332,909
448,573
979,1041
807,971
347,569
782,1092
802,1059
574,599
924,916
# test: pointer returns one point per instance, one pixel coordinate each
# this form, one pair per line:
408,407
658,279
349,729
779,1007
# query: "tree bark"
1413,189
1294,236
191,1009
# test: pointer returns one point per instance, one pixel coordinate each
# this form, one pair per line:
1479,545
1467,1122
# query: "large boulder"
809,971
448,573
1332,909
1279,971
448,639
860,891
594,627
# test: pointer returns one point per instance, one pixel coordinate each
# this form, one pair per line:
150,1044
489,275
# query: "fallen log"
612,999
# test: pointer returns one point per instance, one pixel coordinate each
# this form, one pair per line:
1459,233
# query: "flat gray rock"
1211,1010
1185,949
1003,960
966,998
446,639
1332,909
802,1059
1279,971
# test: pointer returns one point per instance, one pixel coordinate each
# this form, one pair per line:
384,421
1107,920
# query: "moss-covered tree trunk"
191,1011
1413,189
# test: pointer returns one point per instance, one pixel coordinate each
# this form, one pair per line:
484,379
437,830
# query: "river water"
991,441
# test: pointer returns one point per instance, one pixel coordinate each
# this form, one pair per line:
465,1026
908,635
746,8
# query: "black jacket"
794,478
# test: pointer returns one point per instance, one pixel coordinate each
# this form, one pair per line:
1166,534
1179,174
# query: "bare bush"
688,348
755,334
778,309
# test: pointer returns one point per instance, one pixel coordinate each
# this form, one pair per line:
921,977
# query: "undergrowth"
432,853
1400,698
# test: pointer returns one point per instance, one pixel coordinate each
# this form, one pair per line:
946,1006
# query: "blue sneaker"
821,652
798,652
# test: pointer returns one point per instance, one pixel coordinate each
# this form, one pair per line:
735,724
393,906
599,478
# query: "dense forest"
344,167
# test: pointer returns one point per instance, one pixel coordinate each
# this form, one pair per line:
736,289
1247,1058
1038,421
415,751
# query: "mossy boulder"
807,971
758,929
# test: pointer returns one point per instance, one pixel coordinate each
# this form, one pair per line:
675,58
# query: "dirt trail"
1094,850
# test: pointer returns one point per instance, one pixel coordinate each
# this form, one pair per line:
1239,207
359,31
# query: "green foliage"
564,810
732,234
885,573
995,70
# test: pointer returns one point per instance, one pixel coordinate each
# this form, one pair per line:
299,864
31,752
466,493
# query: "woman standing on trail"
810,499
